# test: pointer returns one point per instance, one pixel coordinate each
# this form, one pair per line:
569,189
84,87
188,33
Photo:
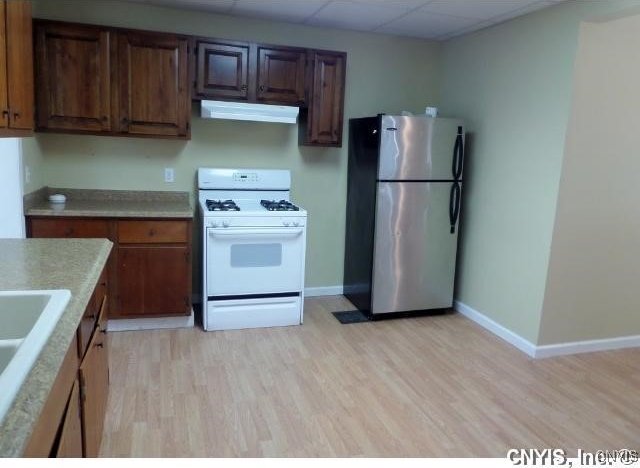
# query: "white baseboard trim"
117,325
589,346
494,327
546,351
323,291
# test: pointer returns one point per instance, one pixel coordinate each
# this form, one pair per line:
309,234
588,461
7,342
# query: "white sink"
27,319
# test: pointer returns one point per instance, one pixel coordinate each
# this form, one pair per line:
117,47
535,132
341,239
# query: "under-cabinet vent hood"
246,111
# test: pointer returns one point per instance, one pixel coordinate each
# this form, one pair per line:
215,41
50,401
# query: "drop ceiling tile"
351,15
214,6
428,26
285,10
520,12
405,5
479,9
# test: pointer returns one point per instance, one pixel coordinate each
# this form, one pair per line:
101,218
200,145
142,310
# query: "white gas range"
254,242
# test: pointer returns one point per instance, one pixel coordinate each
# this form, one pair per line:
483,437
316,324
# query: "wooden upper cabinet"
74,64
281,75
16,68
222,70
323,125
102,80
154,84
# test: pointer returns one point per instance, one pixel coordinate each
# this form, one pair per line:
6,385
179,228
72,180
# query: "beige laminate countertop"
110,204
27,264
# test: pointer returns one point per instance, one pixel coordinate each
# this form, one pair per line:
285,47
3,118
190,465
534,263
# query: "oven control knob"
286,223
225,223
296,223
213,224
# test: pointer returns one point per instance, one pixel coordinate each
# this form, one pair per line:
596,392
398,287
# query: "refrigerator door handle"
458,155
454,206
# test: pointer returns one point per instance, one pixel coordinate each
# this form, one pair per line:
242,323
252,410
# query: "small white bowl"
57,198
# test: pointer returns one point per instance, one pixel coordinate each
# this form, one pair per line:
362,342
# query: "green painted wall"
594,269
513,85
384,74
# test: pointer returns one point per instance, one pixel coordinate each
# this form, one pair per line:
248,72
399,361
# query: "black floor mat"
351,316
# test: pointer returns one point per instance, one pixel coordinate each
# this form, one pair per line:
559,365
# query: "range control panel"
245,177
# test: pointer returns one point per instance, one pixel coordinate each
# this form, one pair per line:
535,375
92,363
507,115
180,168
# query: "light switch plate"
169,175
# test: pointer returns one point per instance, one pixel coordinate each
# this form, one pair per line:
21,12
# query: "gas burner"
222,205
281,205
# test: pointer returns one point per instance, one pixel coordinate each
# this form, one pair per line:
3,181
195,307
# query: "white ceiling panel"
400,5
478,9
352,15
426,26
284,10
430,19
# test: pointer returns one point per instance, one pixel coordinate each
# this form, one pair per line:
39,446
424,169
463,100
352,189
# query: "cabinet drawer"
152,232
83,228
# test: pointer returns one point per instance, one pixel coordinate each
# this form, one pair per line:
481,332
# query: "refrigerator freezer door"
415,251
417,148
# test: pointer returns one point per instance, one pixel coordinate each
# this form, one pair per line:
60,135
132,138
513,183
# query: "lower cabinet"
70,444
153,280
149,269
94,381
72,419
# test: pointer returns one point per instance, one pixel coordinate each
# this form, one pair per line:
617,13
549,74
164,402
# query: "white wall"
11,215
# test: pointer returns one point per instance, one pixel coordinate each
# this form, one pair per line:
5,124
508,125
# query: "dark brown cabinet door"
94,379
153,80
325,114
70,440
153,281
20,64
222,71
4,97
73,73
281,75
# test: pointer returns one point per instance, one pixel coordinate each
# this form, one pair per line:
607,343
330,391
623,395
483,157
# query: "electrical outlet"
27,175
169,175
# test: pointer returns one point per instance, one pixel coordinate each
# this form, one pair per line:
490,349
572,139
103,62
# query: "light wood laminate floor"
429,386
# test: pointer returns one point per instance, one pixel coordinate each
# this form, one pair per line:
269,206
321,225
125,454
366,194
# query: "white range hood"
246,111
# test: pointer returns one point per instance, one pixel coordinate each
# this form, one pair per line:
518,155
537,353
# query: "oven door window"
256,255
254,261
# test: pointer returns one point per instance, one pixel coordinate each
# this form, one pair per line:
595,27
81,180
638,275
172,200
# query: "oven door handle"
256,232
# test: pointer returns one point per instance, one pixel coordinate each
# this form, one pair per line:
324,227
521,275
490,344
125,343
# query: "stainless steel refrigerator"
403,207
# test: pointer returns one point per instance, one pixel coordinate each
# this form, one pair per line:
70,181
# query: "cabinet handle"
104,332
16,115
125,121
243,87
5,113
261,88
152,233
99,345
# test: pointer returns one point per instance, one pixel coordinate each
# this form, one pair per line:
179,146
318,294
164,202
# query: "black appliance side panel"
364,150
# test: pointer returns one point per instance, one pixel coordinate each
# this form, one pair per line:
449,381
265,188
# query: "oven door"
246,261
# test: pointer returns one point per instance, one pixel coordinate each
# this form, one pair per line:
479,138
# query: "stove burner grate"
281,205
222,205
